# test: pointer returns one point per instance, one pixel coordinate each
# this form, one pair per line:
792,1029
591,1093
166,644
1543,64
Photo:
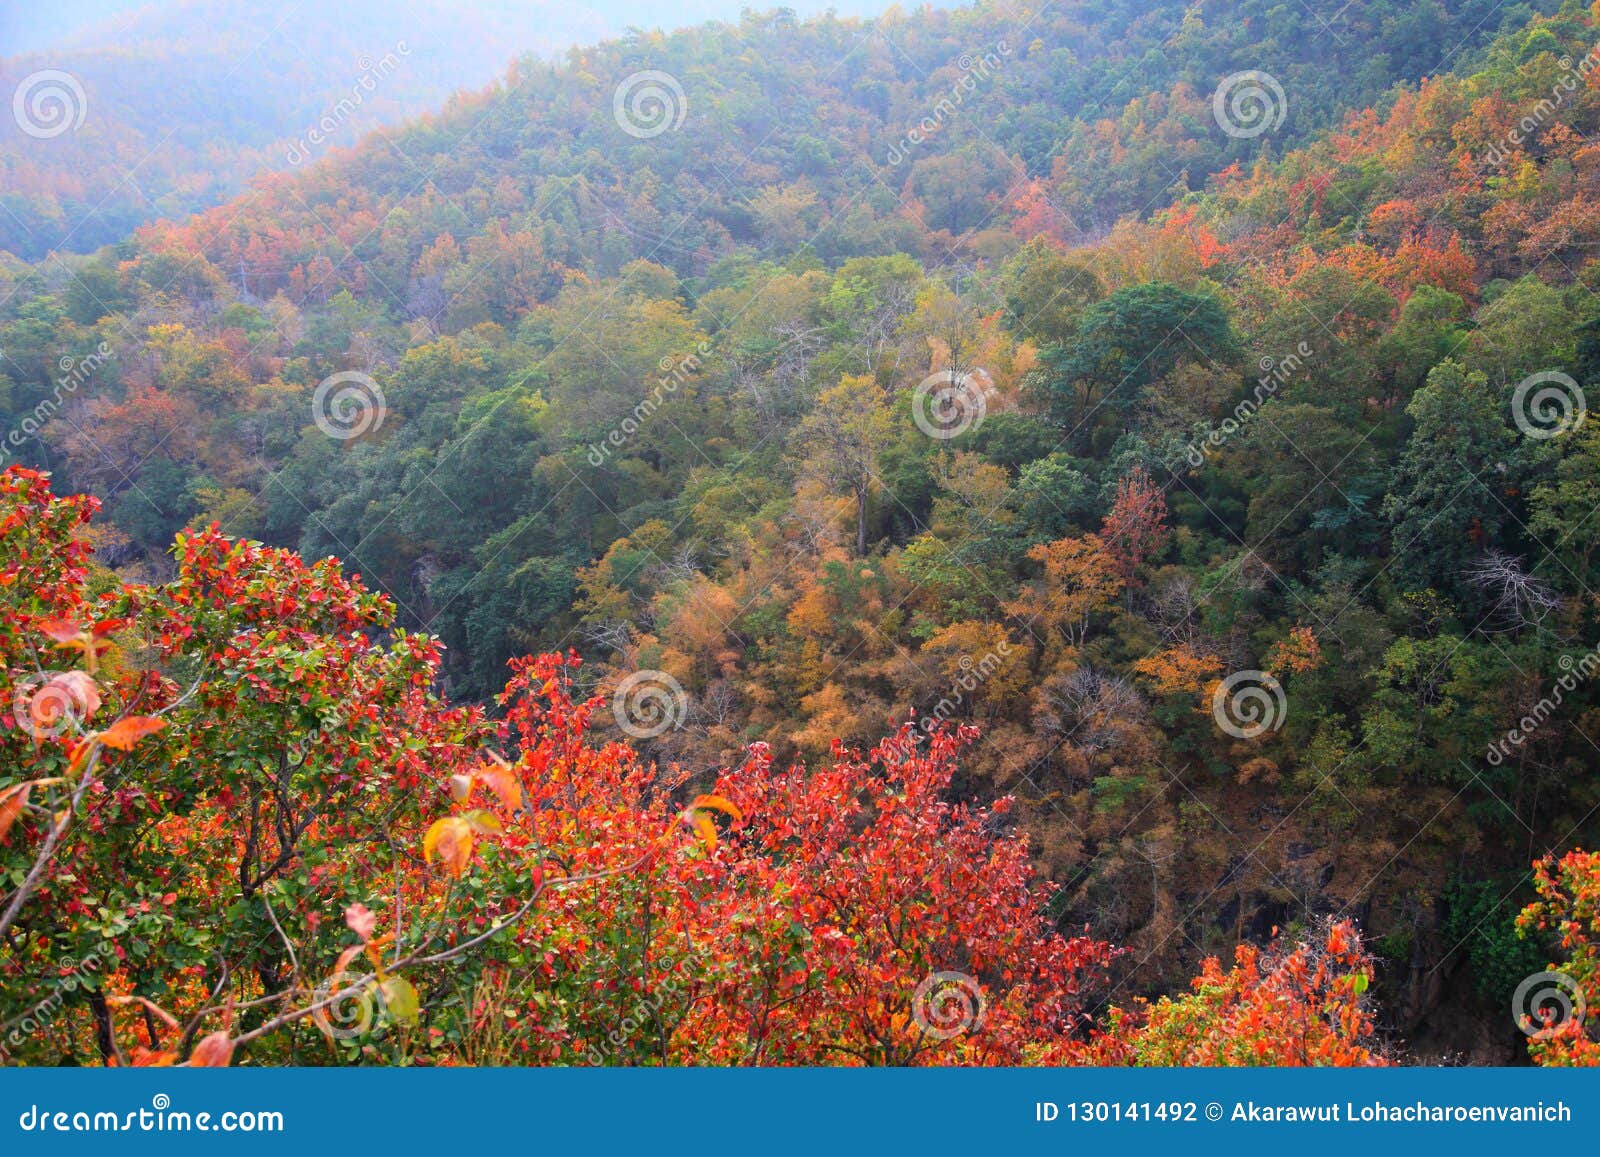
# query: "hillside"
1209,435
264,88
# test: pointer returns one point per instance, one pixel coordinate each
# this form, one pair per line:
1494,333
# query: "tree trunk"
103,1037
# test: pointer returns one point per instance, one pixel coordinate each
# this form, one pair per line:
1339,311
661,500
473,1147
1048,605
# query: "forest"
1011,535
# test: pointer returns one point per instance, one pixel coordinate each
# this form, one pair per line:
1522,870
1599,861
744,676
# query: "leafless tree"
1520,599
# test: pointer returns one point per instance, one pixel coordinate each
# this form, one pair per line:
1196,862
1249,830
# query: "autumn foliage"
1567,913
282,844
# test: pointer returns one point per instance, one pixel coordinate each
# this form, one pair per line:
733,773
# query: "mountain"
1209,434
105,140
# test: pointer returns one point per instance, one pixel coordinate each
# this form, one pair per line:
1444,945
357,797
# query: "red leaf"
362,920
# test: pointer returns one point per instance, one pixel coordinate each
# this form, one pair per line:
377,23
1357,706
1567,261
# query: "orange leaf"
72,694
61,630
501,780
124,733
12,800
718,803
213,1052
708,830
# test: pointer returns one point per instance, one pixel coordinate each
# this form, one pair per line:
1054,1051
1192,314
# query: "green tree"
1452,487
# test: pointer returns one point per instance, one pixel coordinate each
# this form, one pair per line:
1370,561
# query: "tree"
842,439
1135,528
1125,343
1290,1005
1080,580
1566,913
1453,484
1045,293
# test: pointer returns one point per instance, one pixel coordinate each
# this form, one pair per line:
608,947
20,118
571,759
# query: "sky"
38,25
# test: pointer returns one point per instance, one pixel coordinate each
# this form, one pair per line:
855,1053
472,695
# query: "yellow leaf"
708,830
482,822
450,841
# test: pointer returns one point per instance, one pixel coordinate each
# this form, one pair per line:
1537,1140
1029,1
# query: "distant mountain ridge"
182,102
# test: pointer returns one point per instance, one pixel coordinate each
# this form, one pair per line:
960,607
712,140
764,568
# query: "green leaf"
400,998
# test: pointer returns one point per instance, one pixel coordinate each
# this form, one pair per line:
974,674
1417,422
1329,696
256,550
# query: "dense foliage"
1060,420
179,875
